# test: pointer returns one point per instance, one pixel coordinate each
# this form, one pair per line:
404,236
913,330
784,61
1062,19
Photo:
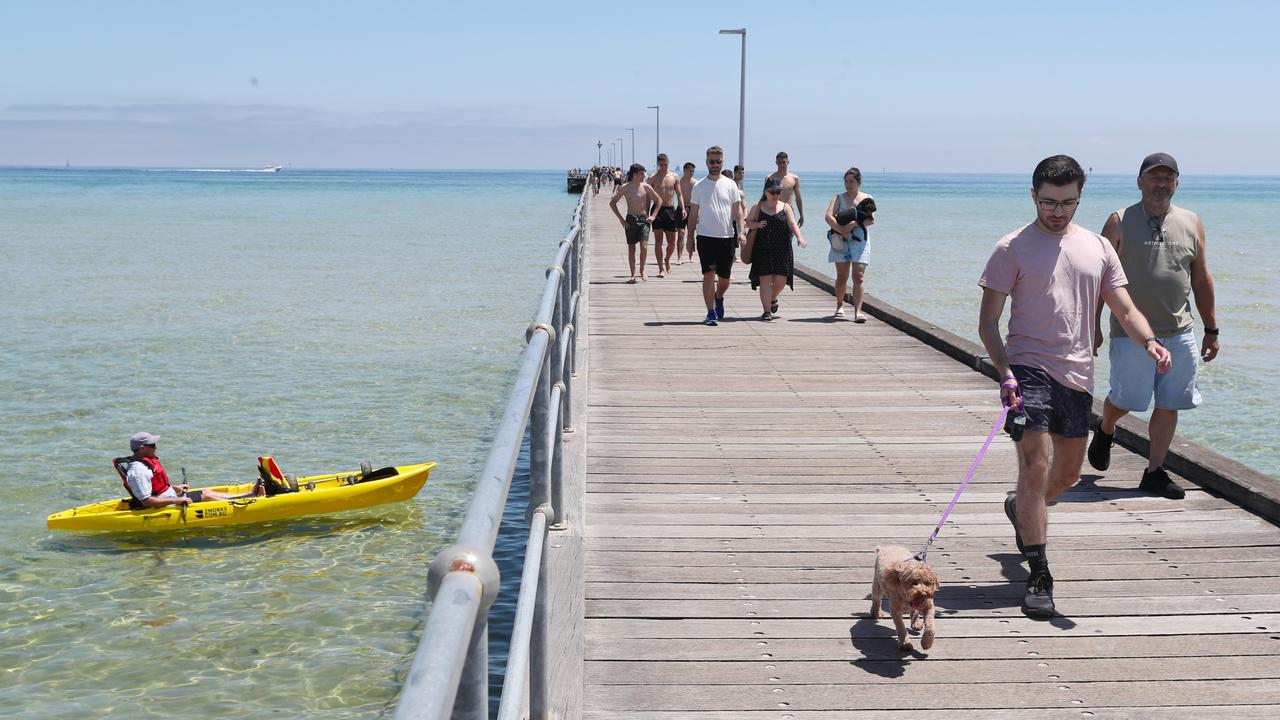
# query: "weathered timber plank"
934,670
1264,538
882,645
945,695
994,590
1015,626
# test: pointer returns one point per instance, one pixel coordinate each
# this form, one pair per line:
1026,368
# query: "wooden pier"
739,477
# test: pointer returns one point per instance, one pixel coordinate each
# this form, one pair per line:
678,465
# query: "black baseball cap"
1155,160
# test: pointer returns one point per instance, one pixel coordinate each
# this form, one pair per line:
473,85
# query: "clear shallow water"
330,317
324,318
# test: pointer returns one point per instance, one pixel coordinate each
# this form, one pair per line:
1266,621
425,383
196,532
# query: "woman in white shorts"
850,249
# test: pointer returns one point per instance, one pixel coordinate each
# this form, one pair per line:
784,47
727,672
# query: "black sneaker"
1011,512
711,318
1158,482
1100,449
1038,600
719,308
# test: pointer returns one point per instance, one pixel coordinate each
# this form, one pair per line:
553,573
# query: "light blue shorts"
1134,378
855,249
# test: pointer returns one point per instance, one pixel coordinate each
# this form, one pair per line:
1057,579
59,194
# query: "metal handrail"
449,674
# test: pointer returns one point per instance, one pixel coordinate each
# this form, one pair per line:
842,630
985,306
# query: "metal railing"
449,677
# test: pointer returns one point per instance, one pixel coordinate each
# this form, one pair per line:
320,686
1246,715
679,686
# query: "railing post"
540,640
539,457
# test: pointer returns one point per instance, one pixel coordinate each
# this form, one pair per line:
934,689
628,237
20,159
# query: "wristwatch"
1152,339
1210,331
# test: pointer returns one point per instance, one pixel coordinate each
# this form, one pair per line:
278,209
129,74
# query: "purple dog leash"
924,551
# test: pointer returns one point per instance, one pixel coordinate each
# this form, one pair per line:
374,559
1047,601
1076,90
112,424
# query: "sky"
918,86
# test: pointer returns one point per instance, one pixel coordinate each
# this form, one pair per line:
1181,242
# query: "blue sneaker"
719,308
711,318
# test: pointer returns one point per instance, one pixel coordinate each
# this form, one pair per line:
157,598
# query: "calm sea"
331,317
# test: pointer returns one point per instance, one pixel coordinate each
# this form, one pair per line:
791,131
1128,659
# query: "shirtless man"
640,197
683,243
790,186
667,222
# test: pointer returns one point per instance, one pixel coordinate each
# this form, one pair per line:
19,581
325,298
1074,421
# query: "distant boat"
272,168
577,181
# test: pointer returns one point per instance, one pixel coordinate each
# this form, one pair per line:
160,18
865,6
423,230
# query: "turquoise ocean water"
330,317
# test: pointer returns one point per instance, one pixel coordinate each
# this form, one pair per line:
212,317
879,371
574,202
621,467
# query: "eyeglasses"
1051,205
150,445
715,162
774,191
1157,228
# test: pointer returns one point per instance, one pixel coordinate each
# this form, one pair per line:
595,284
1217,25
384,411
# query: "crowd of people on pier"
1147,265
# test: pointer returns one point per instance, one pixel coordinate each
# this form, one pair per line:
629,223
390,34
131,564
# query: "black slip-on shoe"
1100,449
1158,482
1011,512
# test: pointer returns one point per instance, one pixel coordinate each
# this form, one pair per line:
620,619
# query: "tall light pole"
598,151
657,130
633,144
742,94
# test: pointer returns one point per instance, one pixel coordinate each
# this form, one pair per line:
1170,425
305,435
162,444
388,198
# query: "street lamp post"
742,94
598,151
633,144
657,130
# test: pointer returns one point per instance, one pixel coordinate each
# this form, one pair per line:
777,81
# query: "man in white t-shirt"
1054,271
713,211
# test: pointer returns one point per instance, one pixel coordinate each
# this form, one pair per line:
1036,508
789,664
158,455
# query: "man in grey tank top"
1162,249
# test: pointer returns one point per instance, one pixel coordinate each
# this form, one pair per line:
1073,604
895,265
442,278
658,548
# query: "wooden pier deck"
739,477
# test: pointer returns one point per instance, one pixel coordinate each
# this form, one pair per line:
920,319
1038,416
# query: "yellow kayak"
318,494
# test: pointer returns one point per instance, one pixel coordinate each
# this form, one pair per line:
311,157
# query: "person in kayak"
148,483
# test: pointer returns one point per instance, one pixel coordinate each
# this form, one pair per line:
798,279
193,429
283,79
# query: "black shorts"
1051,406
637,229
668,218
716,254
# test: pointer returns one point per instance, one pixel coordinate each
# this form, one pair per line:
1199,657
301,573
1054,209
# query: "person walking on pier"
1162,249
850,246
667,221
713,212
1054,271
790,185
772,260
683,243
640,198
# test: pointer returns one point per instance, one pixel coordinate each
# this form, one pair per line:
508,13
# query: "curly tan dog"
907,582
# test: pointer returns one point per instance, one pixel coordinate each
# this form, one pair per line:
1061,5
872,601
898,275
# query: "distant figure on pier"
790,185
667,222
772,260
739,174
148,483
640,198
713,213
1055,272
683,244
850,246
1161,247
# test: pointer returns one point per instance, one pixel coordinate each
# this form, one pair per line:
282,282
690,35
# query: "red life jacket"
159,478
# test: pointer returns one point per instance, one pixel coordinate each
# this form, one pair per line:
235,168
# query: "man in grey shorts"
1162,249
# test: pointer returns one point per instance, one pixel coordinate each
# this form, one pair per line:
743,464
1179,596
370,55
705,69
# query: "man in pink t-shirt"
1054,271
